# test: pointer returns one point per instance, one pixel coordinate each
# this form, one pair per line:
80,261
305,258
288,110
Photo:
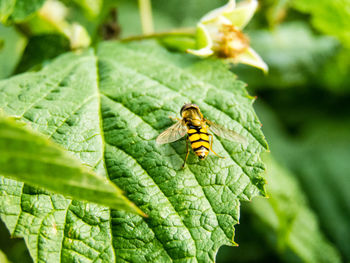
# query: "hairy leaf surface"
62,102
26,156
133,88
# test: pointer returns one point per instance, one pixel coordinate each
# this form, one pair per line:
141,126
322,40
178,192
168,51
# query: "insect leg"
188,151
211,146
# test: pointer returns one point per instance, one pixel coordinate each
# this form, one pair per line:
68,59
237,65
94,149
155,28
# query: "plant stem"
145,8
178,32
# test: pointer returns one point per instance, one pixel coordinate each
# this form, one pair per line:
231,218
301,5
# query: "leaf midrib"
193,174
118,63
184,95
263,144
146,171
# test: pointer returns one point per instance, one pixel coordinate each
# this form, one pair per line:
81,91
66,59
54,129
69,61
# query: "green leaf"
167,15
295,56
91,7
287,221
329,17
182,13
40,49
6,8
335,74
18,10
298,58
11,52
31,158
15,249
324,143
3,258
62,102
130,22
121,98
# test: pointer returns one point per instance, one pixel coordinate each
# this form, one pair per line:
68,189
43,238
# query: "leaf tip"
140,212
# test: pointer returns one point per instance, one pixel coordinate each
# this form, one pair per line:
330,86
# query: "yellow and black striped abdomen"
199,139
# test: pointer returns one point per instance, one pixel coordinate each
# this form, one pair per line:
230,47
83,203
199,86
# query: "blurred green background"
303,104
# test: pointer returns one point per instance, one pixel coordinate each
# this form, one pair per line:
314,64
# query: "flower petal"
204,52
204,42
242,14
77,35
229,7
250,57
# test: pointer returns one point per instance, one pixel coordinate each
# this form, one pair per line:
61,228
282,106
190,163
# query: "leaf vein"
72,113
179,91
170,203
65,221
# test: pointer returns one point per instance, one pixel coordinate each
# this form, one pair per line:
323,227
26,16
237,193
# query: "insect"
196,127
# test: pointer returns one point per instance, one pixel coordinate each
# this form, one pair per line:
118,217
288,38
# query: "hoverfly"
196,126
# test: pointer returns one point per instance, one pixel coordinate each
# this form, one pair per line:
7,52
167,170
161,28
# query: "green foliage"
184,13
191,211
3,258
291,50
18,10
91,7
14,248
329,17
167,14
287,221
105,106
31,158
41,49
326,145
11,51
130,22
335,73
319,159
6,8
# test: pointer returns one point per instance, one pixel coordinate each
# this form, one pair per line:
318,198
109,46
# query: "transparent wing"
173,133
226,133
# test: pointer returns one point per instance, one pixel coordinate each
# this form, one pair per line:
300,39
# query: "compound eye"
187,106
182,109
